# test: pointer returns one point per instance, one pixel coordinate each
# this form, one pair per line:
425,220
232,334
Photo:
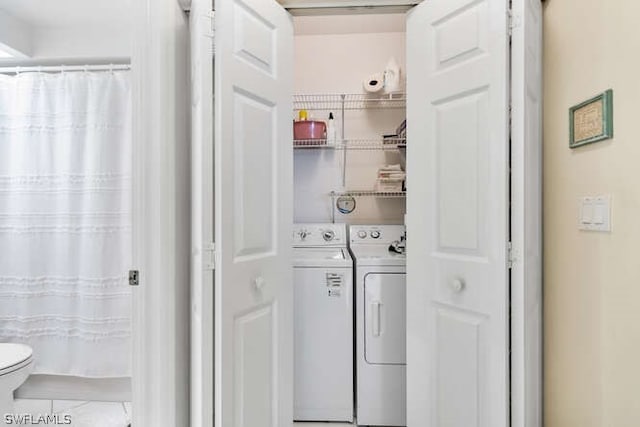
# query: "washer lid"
321,257
13,354
375,255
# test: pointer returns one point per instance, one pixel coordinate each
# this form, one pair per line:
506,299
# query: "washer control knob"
303,234
328,235
362,234
375,234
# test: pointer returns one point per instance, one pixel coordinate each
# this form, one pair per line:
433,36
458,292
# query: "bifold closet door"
458,214
253,164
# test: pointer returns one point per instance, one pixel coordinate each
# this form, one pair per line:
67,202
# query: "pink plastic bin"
309,129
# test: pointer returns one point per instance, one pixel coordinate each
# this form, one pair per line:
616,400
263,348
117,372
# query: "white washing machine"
323,323
380,280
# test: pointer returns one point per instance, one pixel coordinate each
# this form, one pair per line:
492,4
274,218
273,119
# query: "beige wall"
592,280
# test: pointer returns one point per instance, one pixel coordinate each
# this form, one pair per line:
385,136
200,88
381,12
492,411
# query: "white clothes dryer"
323,323
380,280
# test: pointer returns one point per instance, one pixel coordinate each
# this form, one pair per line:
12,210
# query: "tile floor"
83,414
102,414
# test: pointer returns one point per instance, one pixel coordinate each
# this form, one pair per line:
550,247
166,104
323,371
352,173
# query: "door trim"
526,221
160,315
342,4
342,7
201,31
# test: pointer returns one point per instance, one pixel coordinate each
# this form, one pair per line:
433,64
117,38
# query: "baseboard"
58,387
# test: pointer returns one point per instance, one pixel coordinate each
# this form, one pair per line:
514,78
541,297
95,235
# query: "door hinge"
209,29
514,21
209,256
134,278
512,255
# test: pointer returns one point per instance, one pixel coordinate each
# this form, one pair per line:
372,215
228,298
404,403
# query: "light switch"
586,210
595,213
598,213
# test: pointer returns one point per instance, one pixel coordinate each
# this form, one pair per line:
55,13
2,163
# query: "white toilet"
16,363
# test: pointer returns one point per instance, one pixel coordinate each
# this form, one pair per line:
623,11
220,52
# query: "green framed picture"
592,120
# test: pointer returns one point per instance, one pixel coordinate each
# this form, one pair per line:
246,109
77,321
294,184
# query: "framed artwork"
592,120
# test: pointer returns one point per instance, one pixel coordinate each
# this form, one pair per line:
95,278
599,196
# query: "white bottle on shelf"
331,130
392,77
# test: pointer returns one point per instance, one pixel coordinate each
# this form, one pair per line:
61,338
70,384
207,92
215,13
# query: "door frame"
161,214
201,25
526,246
526,216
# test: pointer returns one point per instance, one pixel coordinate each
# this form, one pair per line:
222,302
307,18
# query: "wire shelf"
354,101
370,193
353,144
373,144
311,143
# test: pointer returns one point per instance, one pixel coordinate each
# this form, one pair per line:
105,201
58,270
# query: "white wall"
85,29
337,63
15,35
82,42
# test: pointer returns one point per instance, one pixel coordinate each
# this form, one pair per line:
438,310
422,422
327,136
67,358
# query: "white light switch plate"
595,213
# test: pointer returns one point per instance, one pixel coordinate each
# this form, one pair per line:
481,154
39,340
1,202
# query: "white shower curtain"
65,220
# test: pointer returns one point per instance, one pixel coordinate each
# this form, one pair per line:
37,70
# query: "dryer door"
385,318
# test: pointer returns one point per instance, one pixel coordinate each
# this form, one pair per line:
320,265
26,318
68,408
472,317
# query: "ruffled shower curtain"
65,220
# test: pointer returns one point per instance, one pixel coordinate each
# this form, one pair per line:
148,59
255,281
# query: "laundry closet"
349,162
465,316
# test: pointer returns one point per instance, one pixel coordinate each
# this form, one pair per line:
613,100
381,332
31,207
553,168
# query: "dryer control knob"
362,234
375,234
328,235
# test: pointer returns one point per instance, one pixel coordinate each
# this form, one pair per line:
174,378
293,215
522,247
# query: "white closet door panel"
457,217
253,214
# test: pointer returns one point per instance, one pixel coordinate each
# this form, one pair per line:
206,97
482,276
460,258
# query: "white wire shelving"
311,143
336,195
352,144
369,193
339,103
352,101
